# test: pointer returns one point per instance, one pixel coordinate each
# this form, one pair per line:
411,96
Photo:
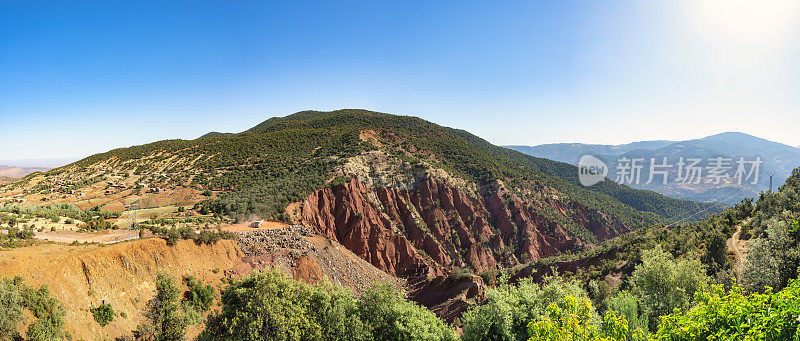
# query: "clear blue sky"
78,78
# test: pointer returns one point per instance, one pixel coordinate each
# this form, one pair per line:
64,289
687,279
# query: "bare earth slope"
123,274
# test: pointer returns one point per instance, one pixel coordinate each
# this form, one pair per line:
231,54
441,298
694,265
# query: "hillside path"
738,247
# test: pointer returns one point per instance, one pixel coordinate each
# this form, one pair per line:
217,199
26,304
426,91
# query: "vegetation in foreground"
18,300
269,305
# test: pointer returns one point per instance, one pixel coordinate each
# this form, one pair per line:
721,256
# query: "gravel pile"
288,244
259,242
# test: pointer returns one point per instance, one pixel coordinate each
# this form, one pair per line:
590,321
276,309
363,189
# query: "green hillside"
283,159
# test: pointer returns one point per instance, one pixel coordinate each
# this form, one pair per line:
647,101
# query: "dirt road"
244,227
738,247
102,237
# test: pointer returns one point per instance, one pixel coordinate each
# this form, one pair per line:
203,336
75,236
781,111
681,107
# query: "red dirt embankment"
122,274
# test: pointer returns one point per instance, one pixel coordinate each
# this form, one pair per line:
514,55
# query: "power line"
710,206
129,207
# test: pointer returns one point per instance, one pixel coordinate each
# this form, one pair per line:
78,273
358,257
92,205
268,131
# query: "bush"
574,322
16,297
271,306
734,316
626,305
200,297
103,314
389,317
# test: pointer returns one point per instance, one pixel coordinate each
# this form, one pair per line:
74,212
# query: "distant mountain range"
777,158
13,172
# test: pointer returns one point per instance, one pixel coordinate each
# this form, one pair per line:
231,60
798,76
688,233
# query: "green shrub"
773,259
626,305
387,316
15,298
103,314
573,321
271,306
200,297
734,316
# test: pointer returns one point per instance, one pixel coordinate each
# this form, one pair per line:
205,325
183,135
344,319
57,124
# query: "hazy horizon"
79,79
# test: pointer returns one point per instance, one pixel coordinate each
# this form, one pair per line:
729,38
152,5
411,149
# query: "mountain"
12,172
572,152
412,198
216,134
778,159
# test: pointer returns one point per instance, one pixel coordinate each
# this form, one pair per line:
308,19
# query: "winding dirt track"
738,247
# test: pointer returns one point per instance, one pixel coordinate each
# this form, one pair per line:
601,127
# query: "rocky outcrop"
428,230
306,256
449,297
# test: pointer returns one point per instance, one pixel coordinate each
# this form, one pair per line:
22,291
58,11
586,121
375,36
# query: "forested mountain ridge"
777,159
410,196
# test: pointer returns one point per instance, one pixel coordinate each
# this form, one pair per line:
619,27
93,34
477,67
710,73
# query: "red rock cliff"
436,226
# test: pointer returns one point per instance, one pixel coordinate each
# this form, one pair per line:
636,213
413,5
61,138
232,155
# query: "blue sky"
77,78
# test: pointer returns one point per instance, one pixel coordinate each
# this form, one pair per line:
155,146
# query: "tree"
200,297
11,309
164,313
269,305
509,308
15,298
49,323
389,317
716,255
573,321
663,284
732,315
625,304
772,260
